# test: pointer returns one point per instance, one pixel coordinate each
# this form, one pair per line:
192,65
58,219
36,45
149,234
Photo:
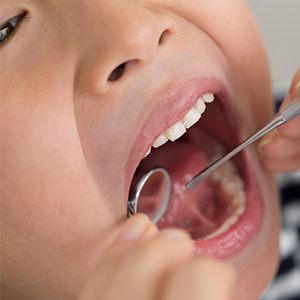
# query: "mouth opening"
217,203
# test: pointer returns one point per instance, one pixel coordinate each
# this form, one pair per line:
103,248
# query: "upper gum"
179,120
182,118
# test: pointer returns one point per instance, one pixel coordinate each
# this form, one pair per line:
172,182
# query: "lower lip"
233,241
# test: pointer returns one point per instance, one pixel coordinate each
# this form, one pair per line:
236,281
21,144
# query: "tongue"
195,210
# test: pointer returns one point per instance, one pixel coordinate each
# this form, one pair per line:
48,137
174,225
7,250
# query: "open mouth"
224,212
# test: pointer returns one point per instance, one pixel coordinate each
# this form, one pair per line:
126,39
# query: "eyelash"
9,27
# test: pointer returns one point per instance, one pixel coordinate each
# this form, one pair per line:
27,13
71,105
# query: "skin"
66,135
281,149
165,278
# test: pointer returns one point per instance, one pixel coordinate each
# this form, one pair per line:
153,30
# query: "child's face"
69,127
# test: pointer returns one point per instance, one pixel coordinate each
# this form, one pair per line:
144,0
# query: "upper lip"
172,106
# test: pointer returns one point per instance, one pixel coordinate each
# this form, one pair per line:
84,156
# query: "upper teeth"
192,117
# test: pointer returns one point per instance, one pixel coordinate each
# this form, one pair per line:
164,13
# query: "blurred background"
279,22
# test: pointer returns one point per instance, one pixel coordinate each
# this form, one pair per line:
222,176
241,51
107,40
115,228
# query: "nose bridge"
138,33
129,33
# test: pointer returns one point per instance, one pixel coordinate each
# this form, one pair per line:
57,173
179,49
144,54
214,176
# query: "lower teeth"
232,186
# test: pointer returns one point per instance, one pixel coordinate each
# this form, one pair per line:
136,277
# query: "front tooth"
191,118
176,131
208,98
148,152
162,139
200,106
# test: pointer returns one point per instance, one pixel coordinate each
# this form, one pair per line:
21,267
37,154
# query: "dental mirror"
152,195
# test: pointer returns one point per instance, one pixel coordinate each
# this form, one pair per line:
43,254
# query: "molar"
240,210
232,220
221,230
208,97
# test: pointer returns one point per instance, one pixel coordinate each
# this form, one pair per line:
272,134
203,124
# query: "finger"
295,86
291,129
282,147
140,274
200,279
294,90
282,165
133,269
136,227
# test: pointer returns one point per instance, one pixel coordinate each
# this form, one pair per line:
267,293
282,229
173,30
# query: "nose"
125,41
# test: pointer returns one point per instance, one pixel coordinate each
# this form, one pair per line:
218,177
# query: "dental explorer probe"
287,114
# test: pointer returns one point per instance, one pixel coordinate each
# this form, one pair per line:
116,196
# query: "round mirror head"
152,195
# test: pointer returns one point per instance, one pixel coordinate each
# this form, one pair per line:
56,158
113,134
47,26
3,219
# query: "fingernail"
298,86
134,228
175,234
150,232
266,141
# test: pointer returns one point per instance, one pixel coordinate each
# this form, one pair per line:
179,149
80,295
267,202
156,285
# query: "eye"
7,28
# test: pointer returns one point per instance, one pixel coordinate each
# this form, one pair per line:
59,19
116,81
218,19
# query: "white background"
279,21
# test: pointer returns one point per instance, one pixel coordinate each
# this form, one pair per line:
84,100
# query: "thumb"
289,129
136,227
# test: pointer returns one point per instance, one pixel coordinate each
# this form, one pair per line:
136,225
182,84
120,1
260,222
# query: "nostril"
117,73
164,37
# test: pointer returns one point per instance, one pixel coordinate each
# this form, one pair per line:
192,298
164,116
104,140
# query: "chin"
233,214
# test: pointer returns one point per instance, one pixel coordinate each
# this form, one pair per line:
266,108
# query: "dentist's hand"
281,148
145,264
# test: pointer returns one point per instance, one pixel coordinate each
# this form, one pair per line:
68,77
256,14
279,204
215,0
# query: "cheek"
54,215
238,36
235,31
51,209
231,26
